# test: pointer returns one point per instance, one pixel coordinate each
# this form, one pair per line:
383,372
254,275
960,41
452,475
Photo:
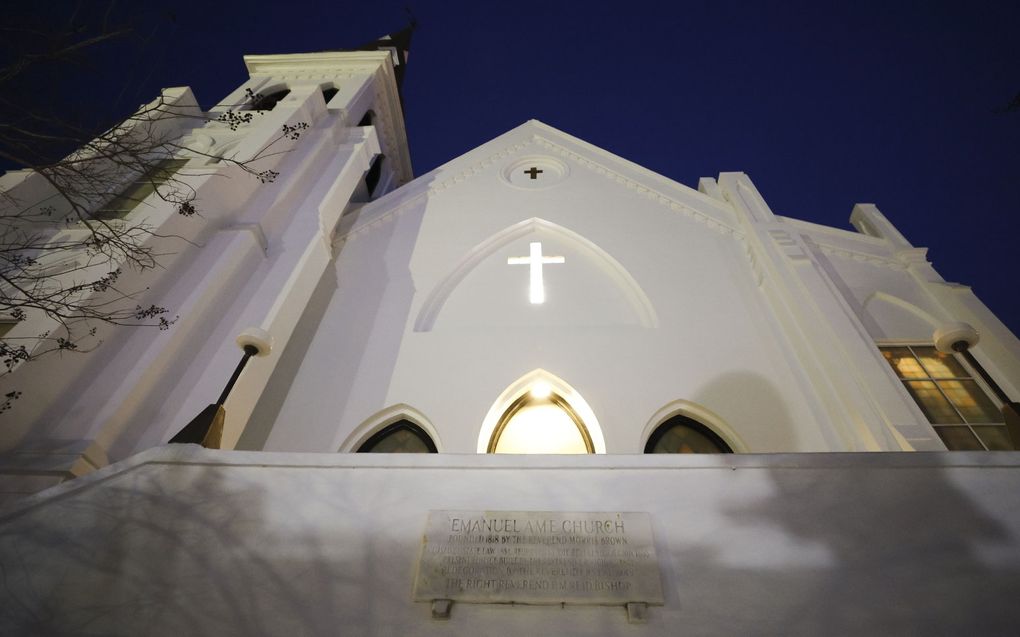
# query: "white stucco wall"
667,295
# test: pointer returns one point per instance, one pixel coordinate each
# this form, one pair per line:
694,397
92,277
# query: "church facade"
537,296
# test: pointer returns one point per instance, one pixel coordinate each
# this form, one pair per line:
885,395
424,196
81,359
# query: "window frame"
680,420
7,324
974,377
158,174
402,424
526,400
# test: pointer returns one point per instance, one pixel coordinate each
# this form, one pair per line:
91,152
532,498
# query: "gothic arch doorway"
540,414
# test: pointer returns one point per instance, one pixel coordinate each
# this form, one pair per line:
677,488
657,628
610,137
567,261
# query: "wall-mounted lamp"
207,428
959,338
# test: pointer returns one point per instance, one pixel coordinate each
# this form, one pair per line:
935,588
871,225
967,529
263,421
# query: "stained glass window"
961,412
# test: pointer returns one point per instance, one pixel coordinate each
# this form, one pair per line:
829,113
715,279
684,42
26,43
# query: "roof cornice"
342,61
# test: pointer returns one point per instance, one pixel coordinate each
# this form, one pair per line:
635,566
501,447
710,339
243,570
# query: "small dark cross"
533,172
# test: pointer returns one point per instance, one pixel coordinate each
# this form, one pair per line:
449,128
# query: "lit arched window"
681,434
268,102
402,436
540,422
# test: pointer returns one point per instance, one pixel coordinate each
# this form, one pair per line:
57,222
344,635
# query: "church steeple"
399,46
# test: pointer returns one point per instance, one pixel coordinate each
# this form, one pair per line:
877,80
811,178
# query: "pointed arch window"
402,436
540,421
681,434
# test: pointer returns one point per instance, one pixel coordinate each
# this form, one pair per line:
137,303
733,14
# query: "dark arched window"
329,93
402,436
681,434
367,119
268,102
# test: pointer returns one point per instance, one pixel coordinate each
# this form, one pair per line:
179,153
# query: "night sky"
894,103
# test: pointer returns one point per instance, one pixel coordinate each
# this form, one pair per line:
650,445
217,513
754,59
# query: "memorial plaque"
538,557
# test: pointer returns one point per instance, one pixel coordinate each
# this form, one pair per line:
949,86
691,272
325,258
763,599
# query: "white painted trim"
384,418
902,304
697,412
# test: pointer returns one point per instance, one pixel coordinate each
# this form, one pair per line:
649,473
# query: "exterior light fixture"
959,338
207,428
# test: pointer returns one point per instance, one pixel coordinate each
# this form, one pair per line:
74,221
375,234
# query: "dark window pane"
400,442
903,362
683,435
972,402
939,365
269,102
402,436
959,439
329,93
995,438
374,172
931,401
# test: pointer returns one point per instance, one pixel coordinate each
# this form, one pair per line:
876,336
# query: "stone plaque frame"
538,557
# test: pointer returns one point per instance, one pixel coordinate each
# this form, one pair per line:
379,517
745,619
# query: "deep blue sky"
823,106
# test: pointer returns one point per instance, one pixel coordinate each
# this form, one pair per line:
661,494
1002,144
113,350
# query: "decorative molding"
384,418
752,259
788,245
879,296
325,62
913,256
639,187
479,166
812,229
863,257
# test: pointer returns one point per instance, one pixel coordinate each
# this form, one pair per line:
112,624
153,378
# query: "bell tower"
352,94
273,167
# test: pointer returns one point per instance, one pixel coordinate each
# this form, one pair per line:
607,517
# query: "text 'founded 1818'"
538,557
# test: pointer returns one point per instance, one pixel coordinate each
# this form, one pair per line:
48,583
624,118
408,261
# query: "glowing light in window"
541,390
541,428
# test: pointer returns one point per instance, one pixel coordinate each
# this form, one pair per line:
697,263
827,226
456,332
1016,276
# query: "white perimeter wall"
181,540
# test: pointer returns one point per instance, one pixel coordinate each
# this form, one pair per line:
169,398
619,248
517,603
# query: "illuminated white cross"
535,260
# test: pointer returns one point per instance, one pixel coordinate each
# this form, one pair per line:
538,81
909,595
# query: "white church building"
641,407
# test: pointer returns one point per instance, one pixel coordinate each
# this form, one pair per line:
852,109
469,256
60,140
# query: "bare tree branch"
66,250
